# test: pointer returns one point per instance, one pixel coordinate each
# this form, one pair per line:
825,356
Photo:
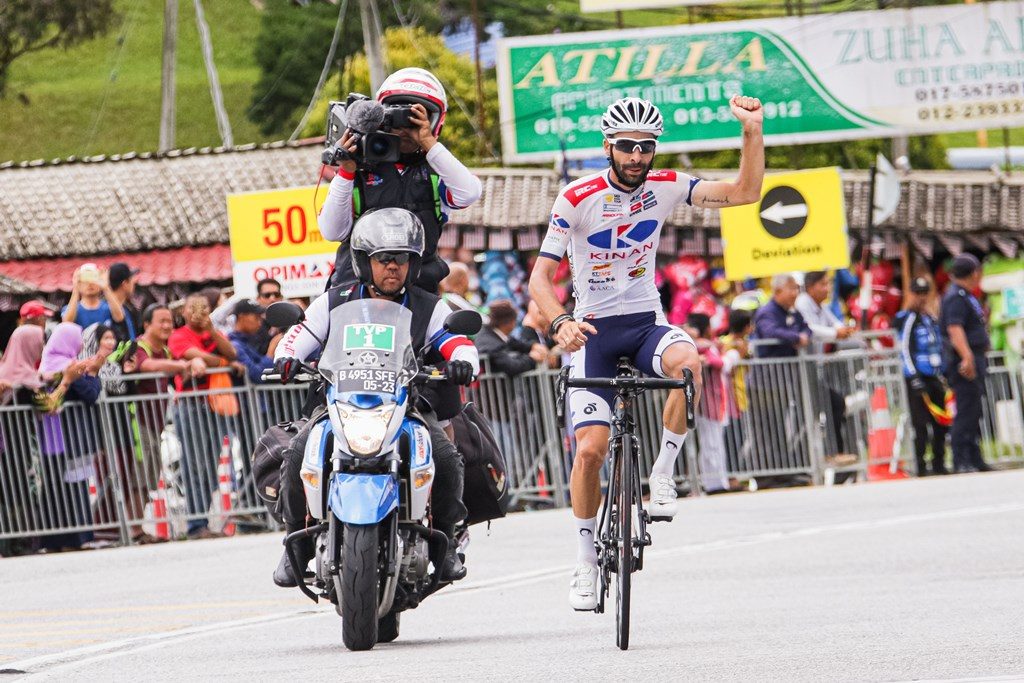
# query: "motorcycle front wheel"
360,586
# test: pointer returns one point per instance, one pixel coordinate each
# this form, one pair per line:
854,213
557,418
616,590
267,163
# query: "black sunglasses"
628,145
386,257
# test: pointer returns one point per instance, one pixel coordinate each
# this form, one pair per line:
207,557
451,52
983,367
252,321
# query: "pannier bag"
486,490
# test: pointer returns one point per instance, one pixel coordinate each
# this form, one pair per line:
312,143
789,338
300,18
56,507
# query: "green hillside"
74,107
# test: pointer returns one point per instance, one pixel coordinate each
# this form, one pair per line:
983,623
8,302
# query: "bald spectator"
455,290
778,320
34,312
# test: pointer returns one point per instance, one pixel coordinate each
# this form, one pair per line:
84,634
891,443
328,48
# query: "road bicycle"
622,525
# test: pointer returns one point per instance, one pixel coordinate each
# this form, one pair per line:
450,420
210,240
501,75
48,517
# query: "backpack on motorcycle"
266,462
486,490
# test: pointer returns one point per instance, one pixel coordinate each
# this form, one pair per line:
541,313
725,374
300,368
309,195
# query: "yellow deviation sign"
799,225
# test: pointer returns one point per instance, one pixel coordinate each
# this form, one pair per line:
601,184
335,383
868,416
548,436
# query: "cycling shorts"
642,337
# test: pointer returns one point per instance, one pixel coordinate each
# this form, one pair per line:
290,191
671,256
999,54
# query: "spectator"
826,329
965,341
91,299
34,312
506,354
778,320
921,353
534,331
456,292
199,428
268,291
736,350
711,411
122,287
19,380
68,442
248,321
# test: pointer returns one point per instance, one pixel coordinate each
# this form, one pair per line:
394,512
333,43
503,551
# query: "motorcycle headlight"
365,428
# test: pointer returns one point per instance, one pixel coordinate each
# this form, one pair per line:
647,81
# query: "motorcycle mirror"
284,314
463,322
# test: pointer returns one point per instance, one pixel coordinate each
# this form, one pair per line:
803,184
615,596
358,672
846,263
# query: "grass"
75,107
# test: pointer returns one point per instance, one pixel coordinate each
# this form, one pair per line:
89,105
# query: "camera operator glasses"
629,145
386,257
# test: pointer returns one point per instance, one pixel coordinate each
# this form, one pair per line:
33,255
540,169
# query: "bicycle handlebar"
625,383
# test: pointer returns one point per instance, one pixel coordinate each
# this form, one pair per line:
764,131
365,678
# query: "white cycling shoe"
583,588
663,498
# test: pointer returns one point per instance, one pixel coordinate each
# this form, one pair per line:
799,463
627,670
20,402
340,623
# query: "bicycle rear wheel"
624,551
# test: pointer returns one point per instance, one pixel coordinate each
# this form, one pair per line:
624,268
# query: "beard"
390,291
620,173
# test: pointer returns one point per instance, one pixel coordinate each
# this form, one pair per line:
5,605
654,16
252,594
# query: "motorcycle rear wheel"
360,586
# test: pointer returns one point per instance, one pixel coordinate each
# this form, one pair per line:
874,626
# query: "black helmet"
386,230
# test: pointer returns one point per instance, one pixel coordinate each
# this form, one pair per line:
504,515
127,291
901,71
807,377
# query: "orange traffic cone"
163,528
542,482
883,462
224,480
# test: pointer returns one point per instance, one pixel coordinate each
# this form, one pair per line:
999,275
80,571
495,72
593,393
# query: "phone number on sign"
790,109
974,110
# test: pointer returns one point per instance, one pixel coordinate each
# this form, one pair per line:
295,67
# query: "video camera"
369,120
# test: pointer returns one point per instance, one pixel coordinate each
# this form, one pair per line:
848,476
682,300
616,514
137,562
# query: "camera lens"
378,146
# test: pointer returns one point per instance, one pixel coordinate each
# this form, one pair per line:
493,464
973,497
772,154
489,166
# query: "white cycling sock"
671,447
585,535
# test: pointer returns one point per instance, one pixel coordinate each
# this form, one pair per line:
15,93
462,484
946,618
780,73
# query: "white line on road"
75,658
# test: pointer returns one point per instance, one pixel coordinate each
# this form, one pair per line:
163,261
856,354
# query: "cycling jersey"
611,236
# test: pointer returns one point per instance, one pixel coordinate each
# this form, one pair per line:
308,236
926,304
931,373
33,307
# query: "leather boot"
283,575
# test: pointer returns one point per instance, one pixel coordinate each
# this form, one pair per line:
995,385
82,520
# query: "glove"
460,372
917,384
287,367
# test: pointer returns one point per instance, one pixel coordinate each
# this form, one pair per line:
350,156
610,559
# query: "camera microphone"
365,116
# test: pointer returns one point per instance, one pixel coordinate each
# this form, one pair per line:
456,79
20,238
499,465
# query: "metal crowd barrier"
97,469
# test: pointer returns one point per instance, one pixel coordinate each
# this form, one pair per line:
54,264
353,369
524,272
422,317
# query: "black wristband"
557,322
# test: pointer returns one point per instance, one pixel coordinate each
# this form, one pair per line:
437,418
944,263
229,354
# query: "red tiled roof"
186,264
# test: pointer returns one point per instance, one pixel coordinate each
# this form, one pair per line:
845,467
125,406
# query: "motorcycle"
367,470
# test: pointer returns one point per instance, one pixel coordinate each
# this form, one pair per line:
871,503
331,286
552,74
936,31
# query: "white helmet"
631,114
413,85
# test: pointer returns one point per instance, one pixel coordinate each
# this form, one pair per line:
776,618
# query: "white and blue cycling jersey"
611,236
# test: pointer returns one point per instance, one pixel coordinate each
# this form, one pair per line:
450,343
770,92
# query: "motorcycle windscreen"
369,349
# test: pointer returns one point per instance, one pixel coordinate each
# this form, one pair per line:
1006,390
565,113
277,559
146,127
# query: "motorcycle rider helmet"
632,114
413,85
388,229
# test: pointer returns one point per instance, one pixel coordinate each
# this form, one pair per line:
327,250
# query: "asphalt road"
910,580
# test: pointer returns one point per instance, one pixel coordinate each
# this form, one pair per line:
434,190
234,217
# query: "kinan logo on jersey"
627,241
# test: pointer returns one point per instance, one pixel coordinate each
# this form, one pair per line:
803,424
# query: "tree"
31,25
417,47
293,44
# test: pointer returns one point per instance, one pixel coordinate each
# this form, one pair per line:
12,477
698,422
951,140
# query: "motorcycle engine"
414,561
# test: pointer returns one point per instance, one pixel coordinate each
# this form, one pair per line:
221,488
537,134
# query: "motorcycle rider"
387,250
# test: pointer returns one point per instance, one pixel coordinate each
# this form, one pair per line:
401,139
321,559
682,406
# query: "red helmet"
413,85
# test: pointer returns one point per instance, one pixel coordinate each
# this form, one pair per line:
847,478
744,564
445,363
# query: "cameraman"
427,180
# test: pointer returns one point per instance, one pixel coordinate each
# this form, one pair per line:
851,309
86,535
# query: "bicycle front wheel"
625,544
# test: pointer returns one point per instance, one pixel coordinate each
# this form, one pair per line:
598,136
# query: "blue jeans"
201,432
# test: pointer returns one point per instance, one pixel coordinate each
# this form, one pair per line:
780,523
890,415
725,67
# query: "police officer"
428,180
387,248
921,353
965,341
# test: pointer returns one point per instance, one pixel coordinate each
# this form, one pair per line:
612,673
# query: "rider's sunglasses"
386,257
629,145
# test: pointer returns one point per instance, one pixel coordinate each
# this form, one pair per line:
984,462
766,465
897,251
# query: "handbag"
222,404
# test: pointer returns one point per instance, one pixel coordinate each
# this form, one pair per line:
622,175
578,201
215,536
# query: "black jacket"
508,357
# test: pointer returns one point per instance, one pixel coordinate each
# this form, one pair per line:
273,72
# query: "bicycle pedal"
660,518
647,540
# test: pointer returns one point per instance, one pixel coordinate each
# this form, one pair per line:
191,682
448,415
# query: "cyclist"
610,223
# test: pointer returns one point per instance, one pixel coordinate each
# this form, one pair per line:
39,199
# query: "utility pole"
372,44
167,75
223,123
481,148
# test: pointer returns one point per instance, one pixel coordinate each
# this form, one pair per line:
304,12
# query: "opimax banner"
822,77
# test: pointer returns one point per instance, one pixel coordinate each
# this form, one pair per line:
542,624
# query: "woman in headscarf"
67,437
19,380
